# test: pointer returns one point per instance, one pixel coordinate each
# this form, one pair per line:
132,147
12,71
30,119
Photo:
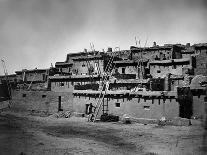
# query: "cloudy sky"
36,33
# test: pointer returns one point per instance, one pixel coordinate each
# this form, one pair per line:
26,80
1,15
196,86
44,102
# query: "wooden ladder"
104,85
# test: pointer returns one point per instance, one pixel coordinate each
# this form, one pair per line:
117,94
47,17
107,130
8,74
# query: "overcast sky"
36,33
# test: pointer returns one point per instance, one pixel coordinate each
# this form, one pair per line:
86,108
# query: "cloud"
34,33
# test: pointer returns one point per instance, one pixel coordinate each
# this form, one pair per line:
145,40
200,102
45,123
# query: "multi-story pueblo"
144,82
163,85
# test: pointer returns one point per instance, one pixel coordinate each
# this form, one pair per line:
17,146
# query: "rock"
126,119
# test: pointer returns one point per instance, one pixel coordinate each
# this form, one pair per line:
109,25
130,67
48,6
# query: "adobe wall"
132,107
79,103
201,63
82,66
161,71
34,76
135,108
128,70
41,101
198,106
64,86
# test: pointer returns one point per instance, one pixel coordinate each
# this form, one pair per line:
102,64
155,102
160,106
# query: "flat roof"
89,57
32,70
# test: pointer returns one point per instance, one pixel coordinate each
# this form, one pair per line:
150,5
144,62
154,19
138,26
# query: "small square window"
61,84
117,104
146,107
24,95
43,96
123,70
158,71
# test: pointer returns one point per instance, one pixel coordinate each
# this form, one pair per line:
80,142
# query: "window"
123,70
43,96
61,84
146,107
83,65
23,95
117,104
43,77
158,71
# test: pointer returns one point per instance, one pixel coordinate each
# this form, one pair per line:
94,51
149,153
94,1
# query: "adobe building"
64,68
88,65
33,75
165,52
70,83
125,69
12,78
173,66
131,91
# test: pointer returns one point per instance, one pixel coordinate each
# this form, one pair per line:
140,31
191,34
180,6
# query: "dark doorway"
185,109
86,111
185,99
59,104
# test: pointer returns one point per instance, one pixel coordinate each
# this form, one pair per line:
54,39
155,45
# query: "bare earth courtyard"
26,134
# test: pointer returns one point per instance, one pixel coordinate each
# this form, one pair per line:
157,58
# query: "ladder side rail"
101,101
32,81
98,109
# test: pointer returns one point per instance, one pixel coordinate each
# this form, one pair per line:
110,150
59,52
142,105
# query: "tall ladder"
7,82
32,81
104,85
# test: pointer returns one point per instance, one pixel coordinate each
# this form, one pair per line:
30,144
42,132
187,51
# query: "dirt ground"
26,134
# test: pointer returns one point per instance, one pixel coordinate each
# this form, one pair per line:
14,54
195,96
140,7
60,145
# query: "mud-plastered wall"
41,101
135,107
198,106
79,103
141,108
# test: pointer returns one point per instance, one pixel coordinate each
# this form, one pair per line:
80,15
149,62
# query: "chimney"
85,50
154,44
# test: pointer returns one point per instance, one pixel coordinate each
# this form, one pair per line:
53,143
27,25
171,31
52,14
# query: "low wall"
41,101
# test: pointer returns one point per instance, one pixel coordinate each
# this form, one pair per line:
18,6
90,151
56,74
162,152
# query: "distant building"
166,52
